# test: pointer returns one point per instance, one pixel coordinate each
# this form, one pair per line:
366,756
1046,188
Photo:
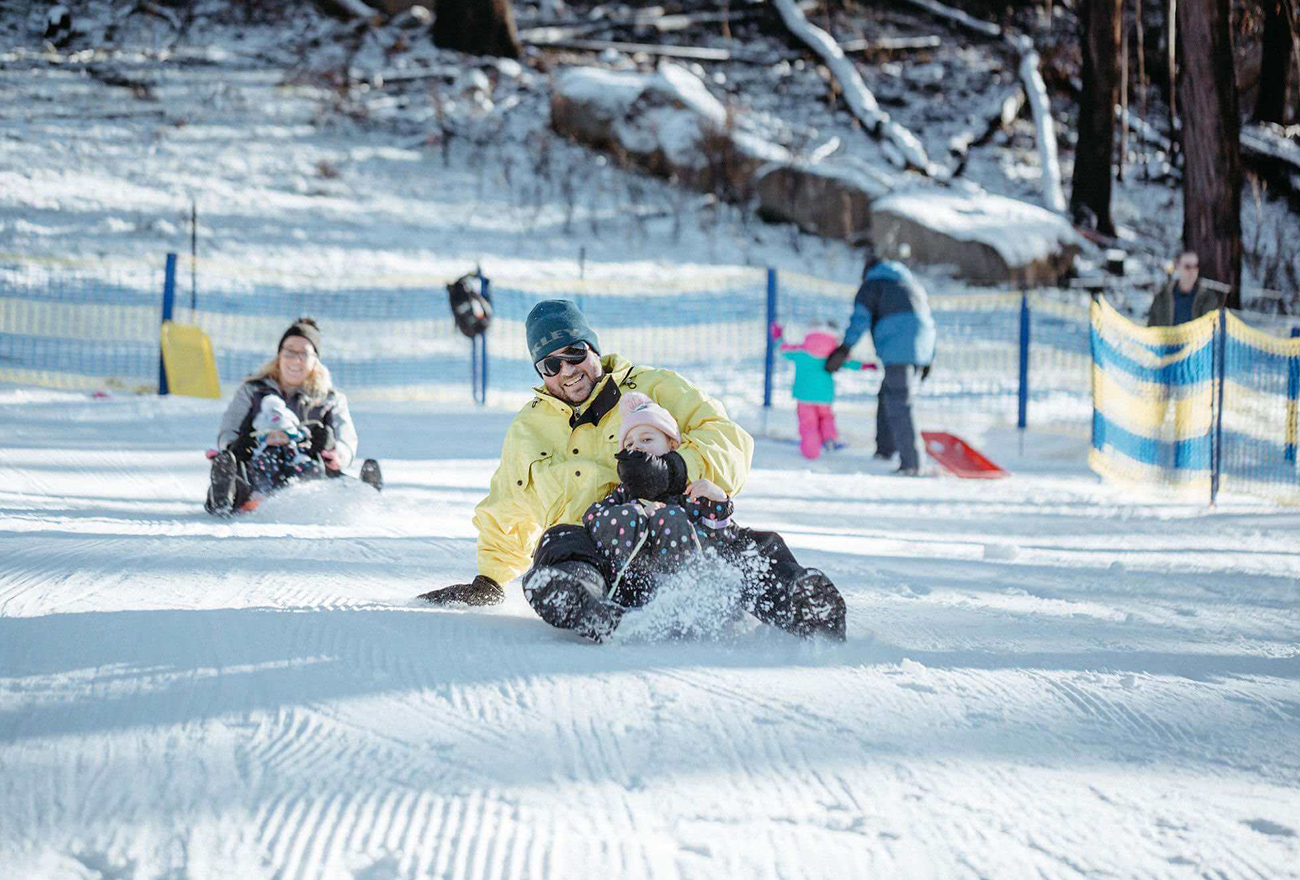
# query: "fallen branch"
1265,145
986,28
694,53
1036,91
1275,144
1147,132
397,76
825,151
891,44
551,34
856,94
347,8
681,21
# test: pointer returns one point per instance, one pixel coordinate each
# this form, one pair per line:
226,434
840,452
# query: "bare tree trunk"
1123,96
1171,31
1293,19
1275,66
1142,79
1211,142
477,27
1099,31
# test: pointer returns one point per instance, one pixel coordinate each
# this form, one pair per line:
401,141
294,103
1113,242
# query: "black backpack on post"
469,306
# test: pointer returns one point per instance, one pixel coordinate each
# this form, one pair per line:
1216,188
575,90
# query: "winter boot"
221,484
370,474
816,607
571,595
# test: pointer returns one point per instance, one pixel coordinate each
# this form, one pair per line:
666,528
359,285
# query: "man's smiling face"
575,382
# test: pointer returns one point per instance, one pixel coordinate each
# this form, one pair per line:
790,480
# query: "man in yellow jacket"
558,458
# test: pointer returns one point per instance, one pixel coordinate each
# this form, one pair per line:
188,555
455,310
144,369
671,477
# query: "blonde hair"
316,386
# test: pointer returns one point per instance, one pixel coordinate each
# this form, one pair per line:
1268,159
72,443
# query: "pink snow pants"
816,426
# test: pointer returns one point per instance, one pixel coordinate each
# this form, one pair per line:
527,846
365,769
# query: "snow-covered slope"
1043,676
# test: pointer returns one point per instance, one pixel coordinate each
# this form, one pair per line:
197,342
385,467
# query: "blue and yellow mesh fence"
97,326
1202,406
92,326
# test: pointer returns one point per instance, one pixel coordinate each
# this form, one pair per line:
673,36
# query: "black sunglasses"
552,363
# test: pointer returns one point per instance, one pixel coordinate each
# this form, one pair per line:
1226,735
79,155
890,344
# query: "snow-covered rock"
990,239
667,122
828,199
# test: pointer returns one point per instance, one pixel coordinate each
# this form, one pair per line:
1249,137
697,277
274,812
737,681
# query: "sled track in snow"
263,697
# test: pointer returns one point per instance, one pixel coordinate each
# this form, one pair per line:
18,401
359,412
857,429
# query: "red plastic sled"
958,457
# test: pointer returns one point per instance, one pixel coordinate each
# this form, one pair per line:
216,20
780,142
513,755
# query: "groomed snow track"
1043,677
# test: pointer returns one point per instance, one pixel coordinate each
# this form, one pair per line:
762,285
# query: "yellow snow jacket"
556,461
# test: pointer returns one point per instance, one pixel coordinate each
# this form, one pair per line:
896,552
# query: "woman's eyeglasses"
551,364
293,355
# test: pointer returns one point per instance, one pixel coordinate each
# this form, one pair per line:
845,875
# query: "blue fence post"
1022,416
483,351
769,356
478,369
1292,401
1094,338
1216,450
168,306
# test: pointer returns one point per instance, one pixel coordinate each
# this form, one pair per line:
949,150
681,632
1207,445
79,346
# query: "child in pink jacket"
814,390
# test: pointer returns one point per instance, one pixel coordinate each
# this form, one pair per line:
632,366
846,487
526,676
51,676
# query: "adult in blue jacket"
893,306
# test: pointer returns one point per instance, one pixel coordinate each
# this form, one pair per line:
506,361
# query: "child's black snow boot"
816,607
571,595
370,474
221,484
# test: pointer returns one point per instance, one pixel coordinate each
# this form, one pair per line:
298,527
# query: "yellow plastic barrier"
187,357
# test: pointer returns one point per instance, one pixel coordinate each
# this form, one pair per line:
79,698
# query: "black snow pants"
568,583
895,428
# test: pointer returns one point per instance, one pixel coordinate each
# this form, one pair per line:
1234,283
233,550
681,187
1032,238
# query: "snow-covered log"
1036,91
1147,132
1265,140
348,8
1266,145
693,53
856,94
987,28
891,44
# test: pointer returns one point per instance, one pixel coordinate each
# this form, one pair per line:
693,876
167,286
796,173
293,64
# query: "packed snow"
1033,666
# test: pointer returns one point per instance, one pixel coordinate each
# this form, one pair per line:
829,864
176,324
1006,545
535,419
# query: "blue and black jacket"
893,306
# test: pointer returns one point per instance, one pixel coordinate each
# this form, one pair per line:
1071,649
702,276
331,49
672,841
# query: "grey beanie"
307,329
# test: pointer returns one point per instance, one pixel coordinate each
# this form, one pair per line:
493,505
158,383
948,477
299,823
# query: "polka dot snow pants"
274,466
637,545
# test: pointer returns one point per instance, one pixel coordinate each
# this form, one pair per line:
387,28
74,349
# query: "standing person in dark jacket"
893,306
1184,298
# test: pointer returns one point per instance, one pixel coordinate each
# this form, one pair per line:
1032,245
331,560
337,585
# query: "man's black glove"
836,358
480,591
925,372
651,477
